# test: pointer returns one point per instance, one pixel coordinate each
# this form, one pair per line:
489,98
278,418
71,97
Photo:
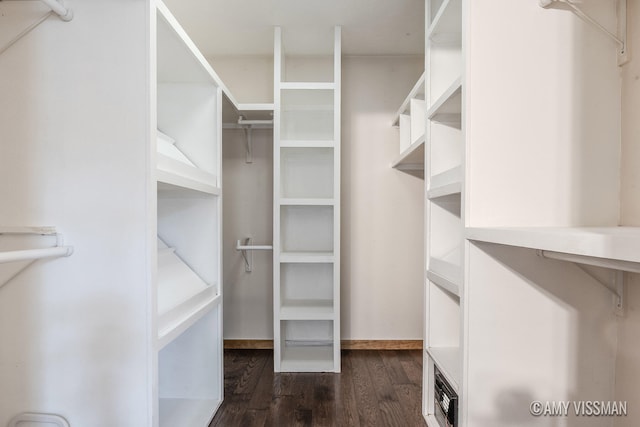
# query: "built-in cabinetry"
444,161
306,231
116,141
189,298
527,257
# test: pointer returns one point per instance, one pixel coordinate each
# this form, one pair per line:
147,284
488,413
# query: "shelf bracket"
621,10
246,250
617,280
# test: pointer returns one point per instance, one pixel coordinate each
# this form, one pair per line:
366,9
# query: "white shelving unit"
444,214
527,262
306,247
127,161
410,120
189,123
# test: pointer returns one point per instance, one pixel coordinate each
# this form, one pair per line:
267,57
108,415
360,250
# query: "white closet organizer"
410,120
444,207
307,206
123,153
526,255
189,130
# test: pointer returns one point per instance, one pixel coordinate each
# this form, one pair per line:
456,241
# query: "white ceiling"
245,27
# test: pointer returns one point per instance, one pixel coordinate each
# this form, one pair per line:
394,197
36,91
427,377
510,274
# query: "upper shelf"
179,60
417,92
614,243
175,171
412,159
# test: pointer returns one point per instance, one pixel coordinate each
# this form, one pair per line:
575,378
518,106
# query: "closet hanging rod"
240,247
614,264
34,254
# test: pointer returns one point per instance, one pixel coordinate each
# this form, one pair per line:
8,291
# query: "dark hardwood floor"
375,388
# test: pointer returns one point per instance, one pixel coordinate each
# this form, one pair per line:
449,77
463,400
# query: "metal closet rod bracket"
246,249
623,55
618,267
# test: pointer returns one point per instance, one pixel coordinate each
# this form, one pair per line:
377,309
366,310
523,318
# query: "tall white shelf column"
306,231
444,209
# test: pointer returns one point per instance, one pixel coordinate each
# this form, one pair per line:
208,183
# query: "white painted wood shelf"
412,159
293,143
449,285
307,358
445,183
307,202
615,243
448,107
448,360
307,310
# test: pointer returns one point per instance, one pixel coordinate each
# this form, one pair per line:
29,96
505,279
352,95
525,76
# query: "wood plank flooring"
375,388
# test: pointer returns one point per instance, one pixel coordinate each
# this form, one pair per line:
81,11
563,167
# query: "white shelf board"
448,20
412,158
448,360
176,174
179,60
448,105
448,268
289,143
446,284
184,316
307,359
187,412
307,257
307,202
615,243
307,310
446,183
307,85
416,92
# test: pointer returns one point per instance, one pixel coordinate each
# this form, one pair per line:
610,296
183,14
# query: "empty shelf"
307,358
416,92
307,143
307,257
448,266
182,296
448,107
446,284
307,202
446,183
307,85
306,310
174,175
412,158
448,360
615,243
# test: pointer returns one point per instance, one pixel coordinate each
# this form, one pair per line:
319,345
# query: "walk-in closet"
363,213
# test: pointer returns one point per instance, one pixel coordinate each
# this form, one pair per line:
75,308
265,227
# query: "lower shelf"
448,360
307,358
187,412
306,310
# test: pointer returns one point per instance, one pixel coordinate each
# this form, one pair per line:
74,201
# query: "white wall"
382,209
628,357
